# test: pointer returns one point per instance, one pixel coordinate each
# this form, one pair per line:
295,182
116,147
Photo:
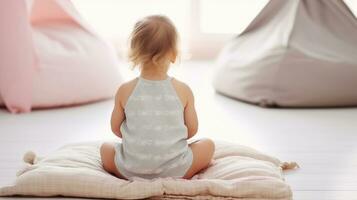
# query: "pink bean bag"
49,57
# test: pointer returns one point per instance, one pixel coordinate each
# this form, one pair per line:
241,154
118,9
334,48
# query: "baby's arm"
118,115
190,114
187,99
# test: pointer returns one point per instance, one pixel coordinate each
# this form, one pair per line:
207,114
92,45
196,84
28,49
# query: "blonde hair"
152,39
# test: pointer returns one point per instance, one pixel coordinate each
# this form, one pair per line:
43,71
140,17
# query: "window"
228,16
201,23
114,19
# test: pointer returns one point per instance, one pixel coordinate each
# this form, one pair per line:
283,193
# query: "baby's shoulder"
128,85
179,85
125,89
183,90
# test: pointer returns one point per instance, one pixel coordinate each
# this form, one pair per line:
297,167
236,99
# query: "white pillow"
76,170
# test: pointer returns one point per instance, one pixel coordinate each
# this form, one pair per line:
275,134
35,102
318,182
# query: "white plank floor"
322,141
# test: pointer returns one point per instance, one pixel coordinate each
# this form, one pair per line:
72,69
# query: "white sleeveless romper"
153,133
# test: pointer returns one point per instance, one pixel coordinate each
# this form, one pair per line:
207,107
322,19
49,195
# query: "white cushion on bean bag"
76,170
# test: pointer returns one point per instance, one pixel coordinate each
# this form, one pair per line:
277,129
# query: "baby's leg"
202,150
107,153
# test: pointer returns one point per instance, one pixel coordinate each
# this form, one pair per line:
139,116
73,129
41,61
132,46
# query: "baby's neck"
154,73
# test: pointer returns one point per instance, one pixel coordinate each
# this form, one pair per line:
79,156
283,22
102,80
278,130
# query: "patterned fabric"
154,134
75,170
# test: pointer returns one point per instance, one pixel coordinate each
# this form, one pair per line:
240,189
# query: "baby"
154,114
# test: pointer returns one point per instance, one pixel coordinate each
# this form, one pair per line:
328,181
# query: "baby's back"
153,132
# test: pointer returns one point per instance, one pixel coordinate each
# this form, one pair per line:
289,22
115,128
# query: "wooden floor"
322,141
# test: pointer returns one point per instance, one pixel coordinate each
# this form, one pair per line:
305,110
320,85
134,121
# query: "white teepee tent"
295,53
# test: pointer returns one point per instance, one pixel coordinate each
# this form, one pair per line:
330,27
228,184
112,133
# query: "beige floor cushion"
75,170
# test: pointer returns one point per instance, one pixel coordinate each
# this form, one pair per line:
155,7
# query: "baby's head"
153,42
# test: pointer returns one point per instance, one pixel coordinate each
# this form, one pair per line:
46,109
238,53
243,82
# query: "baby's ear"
173,56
